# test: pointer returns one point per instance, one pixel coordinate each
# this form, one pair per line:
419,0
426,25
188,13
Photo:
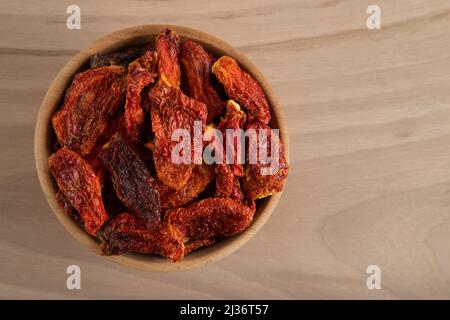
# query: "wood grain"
369,121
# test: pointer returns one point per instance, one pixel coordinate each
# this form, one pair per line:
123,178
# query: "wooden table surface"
368,113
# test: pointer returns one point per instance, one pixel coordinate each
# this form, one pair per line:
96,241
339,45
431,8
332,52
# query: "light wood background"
369,121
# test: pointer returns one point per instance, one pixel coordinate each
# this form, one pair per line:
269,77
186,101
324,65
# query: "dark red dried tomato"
196,64
141,73
132,181
67,207
112,203
116,125
127,233
80,186
224,181
227,184
211,217
90,103
122,57
168,48
243,88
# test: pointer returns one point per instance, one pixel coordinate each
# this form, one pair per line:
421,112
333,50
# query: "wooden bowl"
44,136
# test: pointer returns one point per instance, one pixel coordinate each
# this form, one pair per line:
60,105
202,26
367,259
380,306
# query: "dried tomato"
227,181
243,88
227,184
212,217
80,186
194,245
141,73
234,119
255,184
174,176
127,233
196,64
168,48
237,193
116,125
172,110
67,207
201,177
89,104
113,204
224,181
132,181
122,57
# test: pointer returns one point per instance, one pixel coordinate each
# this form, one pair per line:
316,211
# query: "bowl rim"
43,129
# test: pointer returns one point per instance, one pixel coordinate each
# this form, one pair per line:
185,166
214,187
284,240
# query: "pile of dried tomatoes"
112,160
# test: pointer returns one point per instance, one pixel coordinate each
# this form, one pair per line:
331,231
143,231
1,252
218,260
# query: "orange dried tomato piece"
234,119
174,176
202,175
242,87
141,73
171,110
168,49
196,64
255,184
227,181
80,186
90,103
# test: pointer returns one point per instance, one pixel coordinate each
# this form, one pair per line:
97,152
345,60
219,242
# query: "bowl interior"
44,135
